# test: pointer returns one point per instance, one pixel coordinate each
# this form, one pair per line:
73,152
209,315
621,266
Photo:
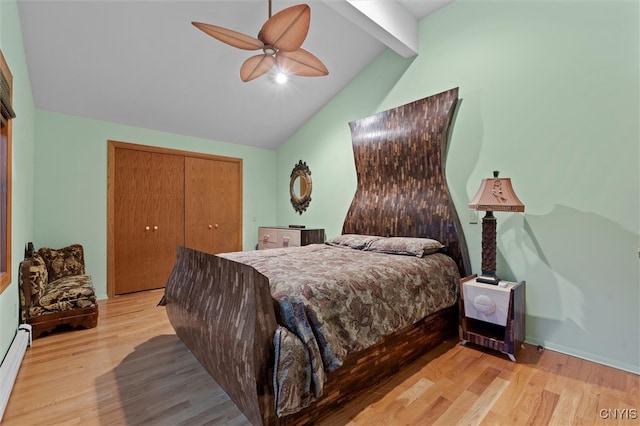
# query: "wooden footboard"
223,312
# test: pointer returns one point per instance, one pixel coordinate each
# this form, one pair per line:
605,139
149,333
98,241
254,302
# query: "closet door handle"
210,226
155,228
146,228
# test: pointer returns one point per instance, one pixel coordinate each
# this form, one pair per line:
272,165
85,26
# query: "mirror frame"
300,202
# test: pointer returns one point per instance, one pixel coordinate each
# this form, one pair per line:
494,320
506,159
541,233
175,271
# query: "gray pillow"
354,241
405,245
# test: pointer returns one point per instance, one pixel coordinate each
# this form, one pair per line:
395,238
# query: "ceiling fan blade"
287,29
256,66
301,62
230,37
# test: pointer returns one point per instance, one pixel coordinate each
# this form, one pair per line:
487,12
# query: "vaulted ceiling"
142,63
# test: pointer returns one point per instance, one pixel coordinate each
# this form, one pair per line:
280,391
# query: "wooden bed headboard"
402,190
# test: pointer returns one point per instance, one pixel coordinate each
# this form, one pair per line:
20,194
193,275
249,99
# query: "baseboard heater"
11,364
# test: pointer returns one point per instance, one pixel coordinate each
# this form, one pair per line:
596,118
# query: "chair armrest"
24,283
33,281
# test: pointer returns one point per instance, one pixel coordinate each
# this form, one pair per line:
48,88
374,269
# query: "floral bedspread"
337,301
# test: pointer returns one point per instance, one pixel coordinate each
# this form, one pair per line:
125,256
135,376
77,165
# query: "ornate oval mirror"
300,187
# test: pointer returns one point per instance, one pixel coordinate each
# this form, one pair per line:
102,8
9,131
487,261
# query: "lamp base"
488,279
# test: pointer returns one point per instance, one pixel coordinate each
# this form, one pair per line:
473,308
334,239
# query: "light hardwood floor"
133,370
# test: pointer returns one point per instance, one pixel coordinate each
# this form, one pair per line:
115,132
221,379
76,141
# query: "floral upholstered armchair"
54,290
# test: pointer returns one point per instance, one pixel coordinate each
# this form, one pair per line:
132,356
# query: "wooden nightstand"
494,315
283,236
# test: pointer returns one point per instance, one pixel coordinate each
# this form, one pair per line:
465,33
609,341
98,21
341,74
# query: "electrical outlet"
473,216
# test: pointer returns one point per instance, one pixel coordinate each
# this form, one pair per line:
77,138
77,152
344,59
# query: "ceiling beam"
388,21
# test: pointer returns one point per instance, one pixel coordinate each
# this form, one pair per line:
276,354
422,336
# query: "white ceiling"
142,63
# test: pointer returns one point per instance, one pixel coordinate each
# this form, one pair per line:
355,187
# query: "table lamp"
495,195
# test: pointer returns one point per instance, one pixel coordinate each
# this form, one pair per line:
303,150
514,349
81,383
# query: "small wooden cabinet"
492,316
283,236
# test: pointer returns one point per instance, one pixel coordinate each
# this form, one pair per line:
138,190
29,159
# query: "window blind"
6,111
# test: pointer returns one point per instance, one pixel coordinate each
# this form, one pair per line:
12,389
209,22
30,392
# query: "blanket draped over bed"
340,300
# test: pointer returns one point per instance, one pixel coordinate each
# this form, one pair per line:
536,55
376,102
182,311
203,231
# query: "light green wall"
550,97
71,175
22,166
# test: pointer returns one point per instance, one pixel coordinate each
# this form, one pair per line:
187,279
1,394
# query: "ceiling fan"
279,39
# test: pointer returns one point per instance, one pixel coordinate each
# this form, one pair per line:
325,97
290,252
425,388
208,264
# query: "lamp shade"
496,194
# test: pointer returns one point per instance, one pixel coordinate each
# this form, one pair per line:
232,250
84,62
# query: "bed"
282,361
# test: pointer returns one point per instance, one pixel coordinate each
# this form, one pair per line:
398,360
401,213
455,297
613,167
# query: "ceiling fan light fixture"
281,77
269,50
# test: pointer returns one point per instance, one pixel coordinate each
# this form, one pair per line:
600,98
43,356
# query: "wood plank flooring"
132,370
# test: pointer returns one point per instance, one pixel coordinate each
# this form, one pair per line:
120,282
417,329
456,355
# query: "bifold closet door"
213,205
149,218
